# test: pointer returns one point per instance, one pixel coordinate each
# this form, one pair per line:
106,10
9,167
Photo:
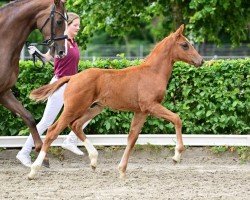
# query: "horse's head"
183,50
52,24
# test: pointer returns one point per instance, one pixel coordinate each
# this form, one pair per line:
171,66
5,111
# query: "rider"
62,67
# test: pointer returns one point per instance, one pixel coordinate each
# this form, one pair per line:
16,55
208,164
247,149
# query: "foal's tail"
42,93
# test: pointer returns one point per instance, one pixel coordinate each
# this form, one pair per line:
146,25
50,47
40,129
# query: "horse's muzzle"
61,54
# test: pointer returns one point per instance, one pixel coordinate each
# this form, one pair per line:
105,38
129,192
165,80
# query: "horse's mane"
12,4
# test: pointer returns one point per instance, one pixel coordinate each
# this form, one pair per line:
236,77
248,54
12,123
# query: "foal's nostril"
202,61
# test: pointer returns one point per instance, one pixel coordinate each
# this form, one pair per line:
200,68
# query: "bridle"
50,42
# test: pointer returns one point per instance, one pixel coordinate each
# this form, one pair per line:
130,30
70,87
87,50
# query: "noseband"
50,42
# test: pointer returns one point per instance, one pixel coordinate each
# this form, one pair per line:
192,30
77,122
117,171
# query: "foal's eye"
59,22
185,46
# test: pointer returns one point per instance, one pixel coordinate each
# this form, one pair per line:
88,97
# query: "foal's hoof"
33,172
177,157
175,162
93,167
122,172
46,162
122,175
93,160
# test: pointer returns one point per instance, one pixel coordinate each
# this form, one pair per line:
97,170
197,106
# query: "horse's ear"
57,2
179,31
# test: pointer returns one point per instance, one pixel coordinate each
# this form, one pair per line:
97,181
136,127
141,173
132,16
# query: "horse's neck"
160,61
22,21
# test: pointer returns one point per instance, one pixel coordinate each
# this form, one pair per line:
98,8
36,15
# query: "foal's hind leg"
76,127
161,112
136,126
9,101
51,135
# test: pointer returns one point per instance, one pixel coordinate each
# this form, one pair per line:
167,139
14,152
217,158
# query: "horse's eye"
185,46
59,22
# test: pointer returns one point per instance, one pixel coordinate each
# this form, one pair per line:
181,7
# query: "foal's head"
183,51
52,24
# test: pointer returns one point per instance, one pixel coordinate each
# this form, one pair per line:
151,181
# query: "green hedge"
213,99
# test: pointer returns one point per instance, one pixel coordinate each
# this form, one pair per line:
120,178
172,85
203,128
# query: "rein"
36,54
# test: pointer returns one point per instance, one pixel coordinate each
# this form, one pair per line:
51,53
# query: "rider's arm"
46,57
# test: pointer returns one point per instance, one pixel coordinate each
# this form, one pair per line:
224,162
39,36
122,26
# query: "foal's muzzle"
198,62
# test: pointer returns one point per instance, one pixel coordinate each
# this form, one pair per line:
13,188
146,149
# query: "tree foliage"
2,3
205,20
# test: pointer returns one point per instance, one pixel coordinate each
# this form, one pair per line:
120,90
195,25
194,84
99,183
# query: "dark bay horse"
139,89
17,20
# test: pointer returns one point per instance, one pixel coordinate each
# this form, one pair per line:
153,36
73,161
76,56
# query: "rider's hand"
33,49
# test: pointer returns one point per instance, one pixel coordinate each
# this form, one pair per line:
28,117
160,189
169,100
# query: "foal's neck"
160,60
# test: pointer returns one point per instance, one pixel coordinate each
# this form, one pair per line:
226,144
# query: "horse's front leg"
9,101
160,111
136,126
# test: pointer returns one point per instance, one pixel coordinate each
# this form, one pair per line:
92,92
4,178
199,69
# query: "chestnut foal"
139,89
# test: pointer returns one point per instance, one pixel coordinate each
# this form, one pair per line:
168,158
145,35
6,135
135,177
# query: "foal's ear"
179,31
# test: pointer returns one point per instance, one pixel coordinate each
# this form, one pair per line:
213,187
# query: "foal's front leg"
160,111
136,126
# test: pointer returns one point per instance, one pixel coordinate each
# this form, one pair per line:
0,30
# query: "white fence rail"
133,51
109,140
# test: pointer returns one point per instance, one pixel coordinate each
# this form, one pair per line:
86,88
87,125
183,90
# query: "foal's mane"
158,47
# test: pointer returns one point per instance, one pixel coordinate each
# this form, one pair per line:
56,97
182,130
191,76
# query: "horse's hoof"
46,163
